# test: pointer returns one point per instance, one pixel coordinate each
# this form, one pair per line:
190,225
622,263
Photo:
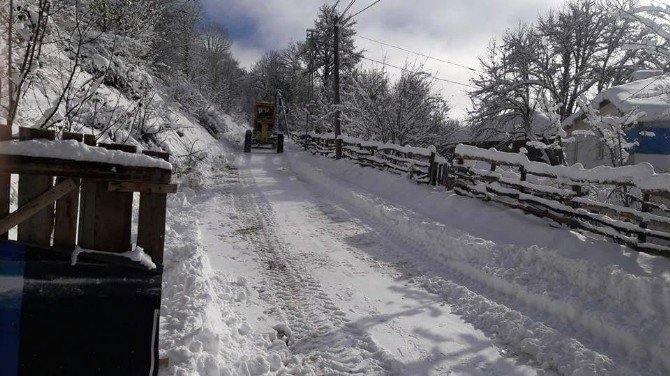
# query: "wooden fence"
64,201
560,193
422,165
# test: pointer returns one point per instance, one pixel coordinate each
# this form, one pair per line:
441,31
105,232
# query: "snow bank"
200,332
581,306
78,151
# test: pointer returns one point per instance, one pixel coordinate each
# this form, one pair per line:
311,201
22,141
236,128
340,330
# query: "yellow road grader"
264,134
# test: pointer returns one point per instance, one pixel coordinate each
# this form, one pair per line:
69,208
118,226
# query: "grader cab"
264,134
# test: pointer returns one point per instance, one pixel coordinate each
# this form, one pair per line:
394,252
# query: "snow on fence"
91,202
560,193
422,165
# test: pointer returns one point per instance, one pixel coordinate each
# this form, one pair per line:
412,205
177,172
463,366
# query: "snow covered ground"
296,264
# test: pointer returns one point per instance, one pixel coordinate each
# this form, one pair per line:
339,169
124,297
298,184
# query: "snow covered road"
361,276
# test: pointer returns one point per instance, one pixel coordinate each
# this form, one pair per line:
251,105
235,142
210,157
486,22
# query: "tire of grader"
247,141
280,143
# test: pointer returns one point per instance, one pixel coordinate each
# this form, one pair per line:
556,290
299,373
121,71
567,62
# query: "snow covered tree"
366,104
132,18
407,111
176,34
654,40
323,49
505,99
581,51
611,130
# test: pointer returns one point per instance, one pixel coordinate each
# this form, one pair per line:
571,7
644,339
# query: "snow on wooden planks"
103,210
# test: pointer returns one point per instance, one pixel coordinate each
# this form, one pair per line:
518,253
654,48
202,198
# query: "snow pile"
78,151
580,306
200,333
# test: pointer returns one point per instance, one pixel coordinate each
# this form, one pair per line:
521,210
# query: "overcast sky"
456,30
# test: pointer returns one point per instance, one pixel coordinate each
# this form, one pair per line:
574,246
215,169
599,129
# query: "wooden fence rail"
67,200
563,197
418,164
558,193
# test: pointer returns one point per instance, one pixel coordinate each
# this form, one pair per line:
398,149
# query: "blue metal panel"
657,144
12,266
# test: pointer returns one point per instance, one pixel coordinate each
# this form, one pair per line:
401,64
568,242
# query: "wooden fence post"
577,189
448,181
87,206
67,208
152,216
5,180
99,229
432,169
646,208
37,229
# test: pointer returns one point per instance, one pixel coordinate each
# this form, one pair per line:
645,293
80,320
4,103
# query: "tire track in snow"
320,334
547,346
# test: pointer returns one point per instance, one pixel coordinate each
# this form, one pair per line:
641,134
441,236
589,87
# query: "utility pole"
336,88
310,73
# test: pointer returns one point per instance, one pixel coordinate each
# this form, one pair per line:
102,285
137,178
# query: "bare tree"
26,28
505,100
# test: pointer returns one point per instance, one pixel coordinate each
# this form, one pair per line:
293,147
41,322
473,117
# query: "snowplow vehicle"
264,134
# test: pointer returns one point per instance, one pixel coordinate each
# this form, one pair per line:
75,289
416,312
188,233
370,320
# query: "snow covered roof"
650,95
643,74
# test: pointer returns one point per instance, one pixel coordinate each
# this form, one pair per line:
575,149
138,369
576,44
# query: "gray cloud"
453,30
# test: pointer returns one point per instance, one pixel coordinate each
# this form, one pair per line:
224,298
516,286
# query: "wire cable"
646,86
416,53
428,74
347,8
364,9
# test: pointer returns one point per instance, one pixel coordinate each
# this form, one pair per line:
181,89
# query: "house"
649,92
506,133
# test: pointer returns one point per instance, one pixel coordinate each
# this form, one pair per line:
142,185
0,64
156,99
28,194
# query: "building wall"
590,151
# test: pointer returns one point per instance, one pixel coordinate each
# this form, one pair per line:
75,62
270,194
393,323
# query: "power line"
645,86
417,53
364,9
428,74
347,8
